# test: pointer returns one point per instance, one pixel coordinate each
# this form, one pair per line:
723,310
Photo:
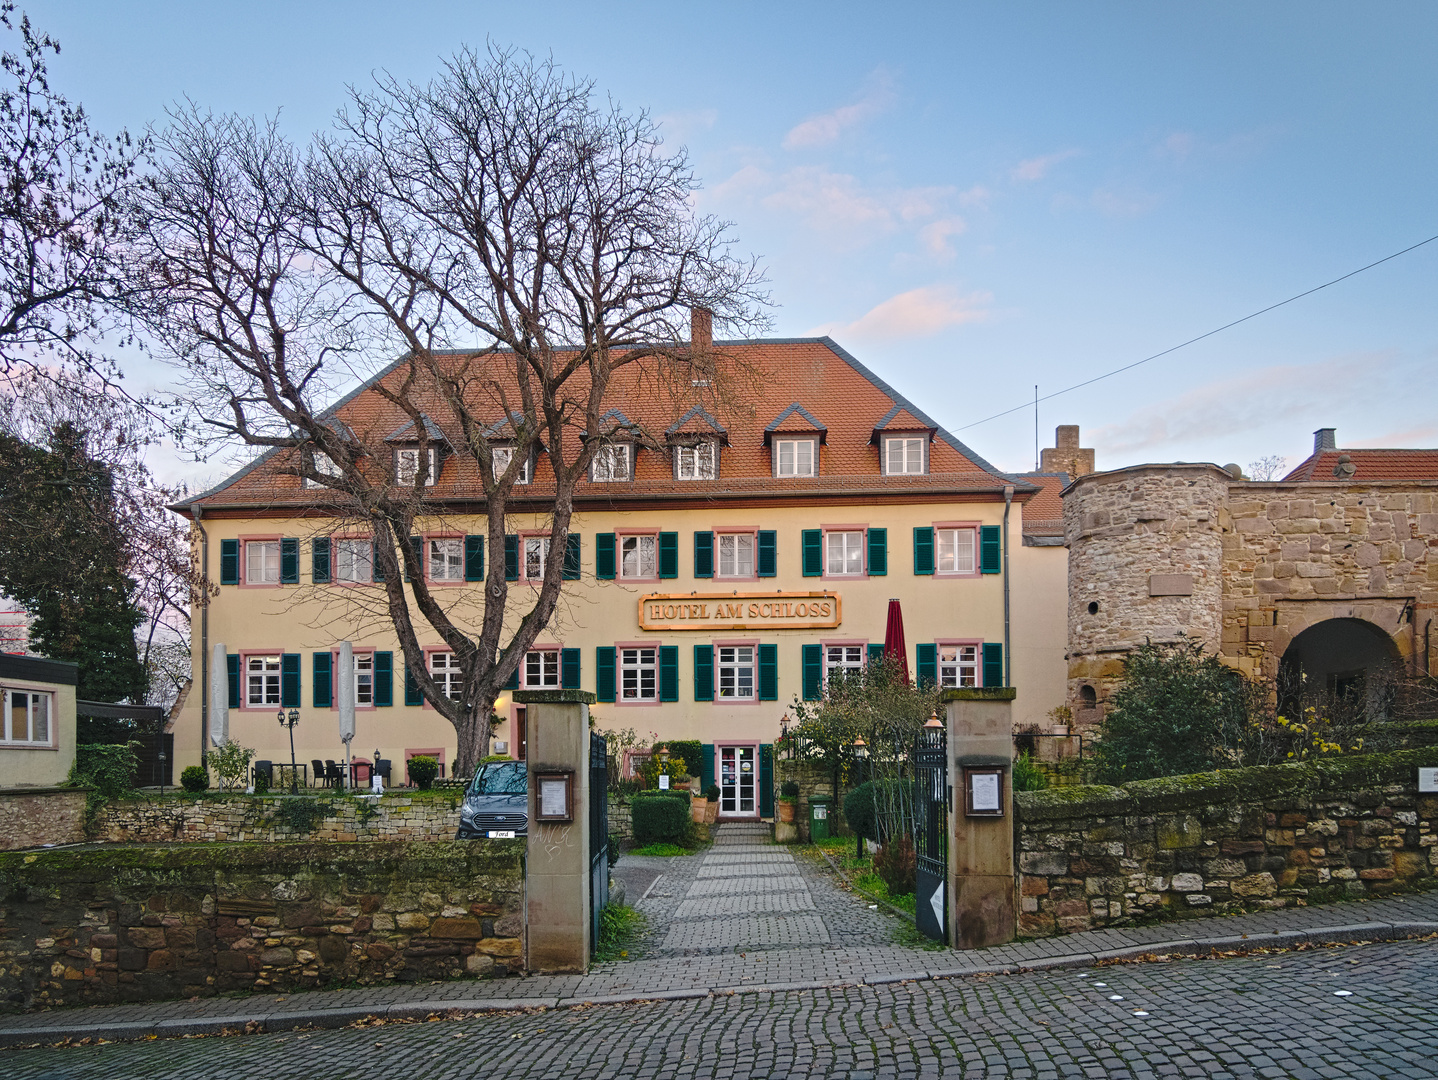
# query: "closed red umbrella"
894,647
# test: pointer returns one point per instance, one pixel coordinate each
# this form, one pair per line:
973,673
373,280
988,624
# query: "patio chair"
267,770
382,767
334,774
317,770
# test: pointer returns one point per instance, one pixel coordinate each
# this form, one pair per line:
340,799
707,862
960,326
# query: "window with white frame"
842,658
903,455
955,550
794,457
536,554
697,462
262,681
364,678
541,669
958,665
444,670
323,465
845,552
735,664
502,456
736,555
636,556
262,562
406,465
611,463
446,559
638,675
354,560
27,717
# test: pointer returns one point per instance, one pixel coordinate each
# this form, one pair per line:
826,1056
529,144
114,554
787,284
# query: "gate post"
981,842
556,868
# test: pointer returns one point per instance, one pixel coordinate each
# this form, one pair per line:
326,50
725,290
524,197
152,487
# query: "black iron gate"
931,832
598,834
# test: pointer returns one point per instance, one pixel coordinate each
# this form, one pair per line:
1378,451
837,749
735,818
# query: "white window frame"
538,546
740,560
406,465
736,673
262,670
541,669
612,464
844,658
638,674
503,455
325,466
849,551
354,560
697,461
959,664
904,455
364,680
262,556
444,670
951,538
39,709
795,466
644,549
446,558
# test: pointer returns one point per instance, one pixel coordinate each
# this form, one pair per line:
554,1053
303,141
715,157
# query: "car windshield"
509,778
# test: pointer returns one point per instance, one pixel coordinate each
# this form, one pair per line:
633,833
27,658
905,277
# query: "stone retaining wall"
167,819
1244,840
102,925
30,817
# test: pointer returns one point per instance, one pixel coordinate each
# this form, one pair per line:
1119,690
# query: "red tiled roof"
846,397
1371,465
1044,513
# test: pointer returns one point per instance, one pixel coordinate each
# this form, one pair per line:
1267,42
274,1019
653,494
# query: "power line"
1190,341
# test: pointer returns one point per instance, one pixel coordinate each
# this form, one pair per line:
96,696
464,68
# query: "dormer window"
503,455
794,457
322,464
904,455
406,465
697,462
612,463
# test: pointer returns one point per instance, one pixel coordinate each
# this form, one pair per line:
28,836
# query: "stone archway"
1340,661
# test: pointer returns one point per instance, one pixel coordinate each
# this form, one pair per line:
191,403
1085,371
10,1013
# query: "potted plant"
711,810
788,802
699,808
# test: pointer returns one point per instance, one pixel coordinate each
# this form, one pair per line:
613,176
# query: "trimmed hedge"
660,818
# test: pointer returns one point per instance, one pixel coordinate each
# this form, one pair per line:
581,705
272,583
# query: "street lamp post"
289,722
861,751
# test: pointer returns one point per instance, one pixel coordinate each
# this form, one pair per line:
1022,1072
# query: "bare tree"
499,204
1267,468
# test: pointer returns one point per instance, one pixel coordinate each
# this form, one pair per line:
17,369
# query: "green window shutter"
604,671
474,558
704,554
320,562
813,553
813,672
412,695
669,555
928,664
768,673
669,671
511,557
703,672
512,683
706,771
604,557
384,678
993,663
569,676
290,680
878,552
416,545
924,550
229,562
990,549
768,562
766,780
875,652
232,666
289,561
323,691
571,557
376,567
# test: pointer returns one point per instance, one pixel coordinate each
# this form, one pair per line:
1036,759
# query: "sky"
973,198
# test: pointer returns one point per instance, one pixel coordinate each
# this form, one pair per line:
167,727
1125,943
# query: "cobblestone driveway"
1360,1011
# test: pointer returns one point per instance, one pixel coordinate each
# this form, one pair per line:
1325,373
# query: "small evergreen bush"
660,819
194,779
422,770
789,789
1028,776
712,793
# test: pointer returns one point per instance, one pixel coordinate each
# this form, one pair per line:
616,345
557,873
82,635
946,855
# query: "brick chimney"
1325,438
701,329
1067,456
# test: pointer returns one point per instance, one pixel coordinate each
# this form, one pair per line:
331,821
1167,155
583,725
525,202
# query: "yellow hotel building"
718,567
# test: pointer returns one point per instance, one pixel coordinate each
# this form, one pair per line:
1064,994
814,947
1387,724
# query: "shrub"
1028,776
422,770
691,750
230,761
194,779
262,783
859,810
789,790
870,808
712,793
660,819
108,768
897,864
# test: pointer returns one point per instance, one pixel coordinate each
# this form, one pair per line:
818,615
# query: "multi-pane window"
446,559
541,669
536,553
444,670
958,665
324,466
364,678
262,681
841,658
354,560
262,562
794,457
636,556
503,455
736,554
903,456
638,675
610,463
845,552
955,549
406,465
26,718
735,665
696,462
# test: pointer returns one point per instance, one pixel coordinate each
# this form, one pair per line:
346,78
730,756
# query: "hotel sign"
740,611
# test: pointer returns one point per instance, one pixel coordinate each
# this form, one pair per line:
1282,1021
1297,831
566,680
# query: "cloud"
935,236
827,127
920,312
1183,146
842,208
1123,204
1037,168
1422,436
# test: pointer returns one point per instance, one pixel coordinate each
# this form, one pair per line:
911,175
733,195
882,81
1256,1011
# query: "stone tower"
1067,456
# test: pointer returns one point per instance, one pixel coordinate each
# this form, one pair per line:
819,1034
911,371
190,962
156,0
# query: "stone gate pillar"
982,909
556,874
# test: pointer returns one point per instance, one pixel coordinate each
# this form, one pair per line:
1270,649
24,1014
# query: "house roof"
1370,465
698,420
406,433
793,380
900,419
1044,513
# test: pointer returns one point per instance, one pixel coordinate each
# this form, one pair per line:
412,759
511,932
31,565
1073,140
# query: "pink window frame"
257,538
430,579
355,650
524,666
531,534
245,655
972,525
824,644
619,535
737,530
978,644
825,530
619,647
428,650
335,538
732,643
719,745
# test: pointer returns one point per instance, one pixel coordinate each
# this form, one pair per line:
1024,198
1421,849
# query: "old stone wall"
151,819
31,817
813,780
1244,840
146,923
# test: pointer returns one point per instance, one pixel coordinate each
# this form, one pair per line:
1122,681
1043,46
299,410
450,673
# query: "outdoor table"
360,772
300,771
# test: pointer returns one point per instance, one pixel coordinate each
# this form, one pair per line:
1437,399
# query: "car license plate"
501,834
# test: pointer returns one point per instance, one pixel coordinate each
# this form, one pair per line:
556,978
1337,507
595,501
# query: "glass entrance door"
737,781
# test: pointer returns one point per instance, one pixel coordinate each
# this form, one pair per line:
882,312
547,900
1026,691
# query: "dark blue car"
496,804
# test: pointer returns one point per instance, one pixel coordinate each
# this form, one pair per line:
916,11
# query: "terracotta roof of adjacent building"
1369,465
1044,513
